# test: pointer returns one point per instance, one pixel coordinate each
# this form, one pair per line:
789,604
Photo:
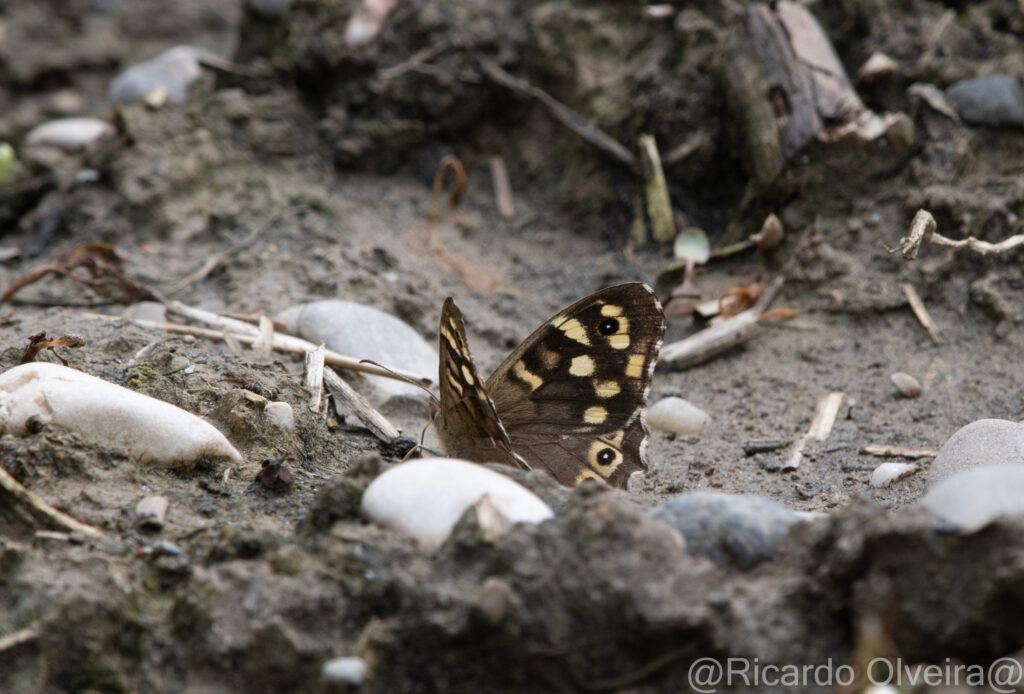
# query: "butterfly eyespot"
606,456
609,326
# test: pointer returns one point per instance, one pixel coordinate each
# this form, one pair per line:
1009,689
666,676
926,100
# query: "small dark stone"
770,464
275,474
732,530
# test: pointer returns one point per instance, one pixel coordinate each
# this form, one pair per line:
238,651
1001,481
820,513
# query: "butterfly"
570,399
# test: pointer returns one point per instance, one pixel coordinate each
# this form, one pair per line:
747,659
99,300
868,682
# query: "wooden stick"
19,495
569,118
821,426
263,346
19,637
716,339
502,188
917,306
282,343
887,451
314,376
352,401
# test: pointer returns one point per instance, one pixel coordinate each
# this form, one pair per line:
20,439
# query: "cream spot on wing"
447,335
574,330
611,310
526,376
455,385
607,389
595,415
620,341
588,474
635,366
467,375
582,366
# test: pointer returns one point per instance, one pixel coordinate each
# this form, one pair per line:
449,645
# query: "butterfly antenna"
405,379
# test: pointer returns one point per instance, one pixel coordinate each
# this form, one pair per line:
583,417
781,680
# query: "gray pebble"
995,100
975,497
174,70
984,442
732,530
363,332
907,385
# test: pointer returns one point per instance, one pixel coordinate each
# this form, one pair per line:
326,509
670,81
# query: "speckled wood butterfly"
570,399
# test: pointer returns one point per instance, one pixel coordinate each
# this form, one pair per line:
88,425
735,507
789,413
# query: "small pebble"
908,386
876,65
993,100
732,530
973,498
676,415
151,512
494,599
424,499
770,464
887,473
280,415
69,134
982,442
366,333
150,430
173,70
146,310
275,475
349,670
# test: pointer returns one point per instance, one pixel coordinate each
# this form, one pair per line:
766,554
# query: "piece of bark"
350,400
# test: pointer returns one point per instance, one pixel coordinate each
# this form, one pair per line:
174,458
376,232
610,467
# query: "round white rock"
424,499
152,431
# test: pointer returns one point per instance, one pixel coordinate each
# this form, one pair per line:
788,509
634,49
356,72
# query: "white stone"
281,415
69,134
150,430
887,473
678,416
424,499
173,70
364,332
975,497
982,442
348,670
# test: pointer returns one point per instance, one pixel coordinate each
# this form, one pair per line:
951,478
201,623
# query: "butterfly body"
570,399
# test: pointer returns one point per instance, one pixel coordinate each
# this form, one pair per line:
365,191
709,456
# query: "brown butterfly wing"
467,423
573,396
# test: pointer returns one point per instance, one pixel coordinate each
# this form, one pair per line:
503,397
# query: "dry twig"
887,451
17,496
314,376
917,306
352,401
824,419
569,118
923,231
218,259
502,188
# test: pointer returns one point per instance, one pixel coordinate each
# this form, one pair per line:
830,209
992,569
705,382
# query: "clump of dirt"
253,588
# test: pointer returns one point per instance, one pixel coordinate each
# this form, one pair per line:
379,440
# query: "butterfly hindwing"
572,396
468,424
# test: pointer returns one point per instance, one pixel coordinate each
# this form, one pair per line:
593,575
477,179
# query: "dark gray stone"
732,530
995,100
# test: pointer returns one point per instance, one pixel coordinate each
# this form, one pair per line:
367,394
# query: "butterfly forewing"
468,423
572,396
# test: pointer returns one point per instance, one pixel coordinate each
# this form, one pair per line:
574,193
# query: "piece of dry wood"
282,343
19,637
719,338
353,402
263,346
887,451
917,306
923,231
569,118
20,498
656,199
502,188
314,376
821,427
